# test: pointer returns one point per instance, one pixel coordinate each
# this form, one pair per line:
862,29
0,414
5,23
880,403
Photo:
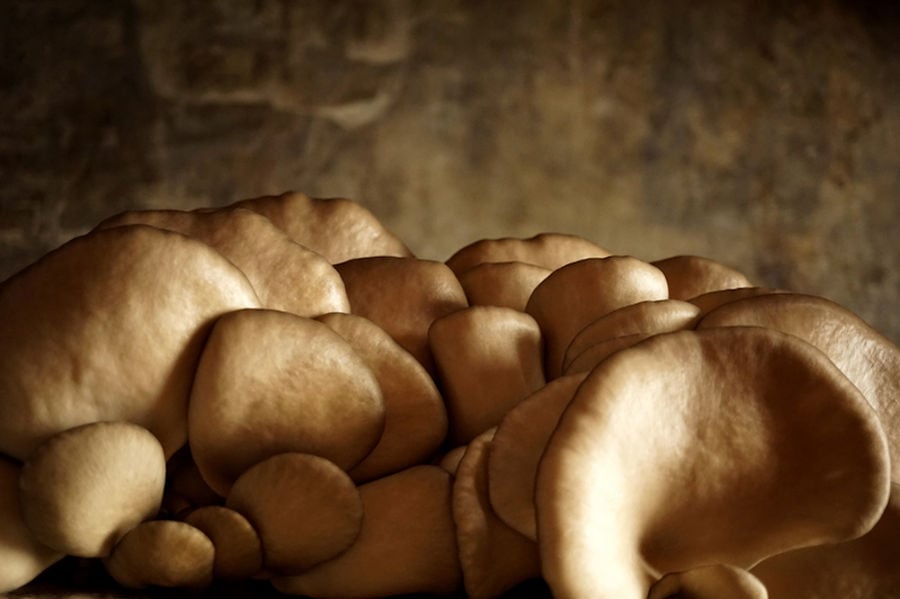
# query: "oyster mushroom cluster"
279,390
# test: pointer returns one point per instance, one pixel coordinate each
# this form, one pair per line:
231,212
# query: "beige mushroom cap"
84,488
707,302
407,543
305,509
109,327
588,359
271,382
507,284
548,250
162,553
625,492
690,276
337,228
22,557
717,581
238,551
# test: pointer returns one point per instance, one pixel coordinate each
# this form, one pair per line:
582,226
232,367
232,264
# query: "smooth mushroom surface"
238,551
707,302
710,582
84,488
507,284
450,460
305,509
407,543
588,359
270,382
124,341
698,447
690,276
547,250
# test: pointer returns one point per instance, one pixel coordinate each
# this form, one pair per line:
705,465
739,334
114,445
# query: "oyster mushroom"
506,284
238,551
690,276
548,250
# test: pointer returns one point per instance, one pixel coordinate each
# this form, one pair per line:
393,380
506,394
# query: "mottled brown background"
763,134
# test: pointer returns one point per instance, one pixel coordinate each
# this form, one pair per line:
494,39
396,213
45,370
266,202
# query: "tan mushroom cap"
625,492
337,228
494,557
707,302
285,275
84,488
403,296
415,422
516,451
507,284
717,581
271,382
488,359
162,553
690,276
652,317
867,358
581,292
238,551
863,567
450,460
588,359
407,543
22,557
549,250
109,327
305,509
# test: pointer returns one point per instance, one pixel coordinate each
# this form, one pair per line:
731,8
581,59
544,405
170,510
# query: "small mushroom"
695,448
690,276
162,553
450,460
717,581
238,551
507,284
548,250
407,543
271,382
488,359
588,359
305,509
707,302
84,488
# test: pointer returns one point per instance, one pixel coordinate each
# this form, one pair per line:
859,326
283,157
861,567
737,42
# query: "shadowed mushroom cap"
710,582
588,359
626,493
507,284
690,276
548,250
238,552
109,327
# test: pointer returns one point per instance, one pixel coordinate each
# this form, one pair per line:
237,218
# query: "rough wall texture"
763,134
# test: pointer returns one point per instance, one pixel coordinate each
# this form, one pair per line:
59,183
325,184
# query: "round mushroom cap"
707,302
690,276
717,581
789,455
238,551
84,488
547,250
109,327
162,553
270,382
305,509
506,284
588,359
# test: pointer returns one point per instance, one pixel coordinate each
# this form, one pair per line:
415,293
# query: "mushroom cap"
450,460
710,582
581,292
626,492
109,327
690,276
305,509
548,250
270,382
488,359
867,358
415,419
711,300
507,284
185,487
22,557
494,557
238,551
162,553
84,488
285,275
407,543
337,228
403,296
588,359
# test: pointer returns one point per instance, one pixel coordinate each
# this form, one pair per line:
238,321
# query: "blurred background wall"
765,135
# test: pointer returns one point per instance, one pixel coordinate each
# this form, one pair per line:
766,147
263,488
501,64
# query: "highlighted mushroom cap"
548,250
690,276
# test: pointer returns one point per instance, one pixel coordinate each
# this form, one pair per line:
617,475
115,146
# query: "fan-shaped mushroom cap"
588,359
549,250
710,582
407,543
581,292
403,296
84,488
867,358
507,284
651,317
109,327
162,553
488,360
305,509
271,382
285,275
22,557
516,451
690,276
493,556
861,568
238,551
711,300
337,228
415,421
696,447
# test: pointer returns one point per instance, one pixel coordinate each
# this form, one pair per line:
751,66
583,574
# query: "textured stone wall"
763,134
